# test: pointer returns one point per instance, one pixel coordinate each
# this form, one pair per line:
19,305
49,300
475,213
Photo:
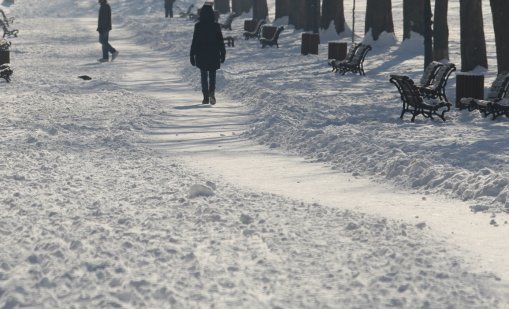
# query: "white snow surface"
95,215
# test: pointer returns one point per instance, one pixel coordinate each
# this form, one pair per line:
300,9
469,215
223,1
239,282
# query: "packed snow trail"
92,218
207,139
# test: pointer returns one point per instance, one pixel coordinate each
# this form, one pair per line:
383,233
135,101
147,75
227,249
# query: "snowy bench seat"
229,41
8,32
414,103
256,32
437,88
265,41
335,63
6,72
356,65
499,91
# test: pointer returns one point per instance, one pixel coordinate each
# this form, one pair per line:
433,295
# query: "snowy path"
92,218
206,139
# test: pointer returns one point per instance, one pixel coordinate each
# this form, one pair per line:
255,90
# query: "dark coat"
104,21
168,4
208,45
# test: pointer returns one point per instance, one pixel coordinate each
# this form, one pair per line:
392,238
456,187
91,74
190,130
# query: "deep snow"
94,218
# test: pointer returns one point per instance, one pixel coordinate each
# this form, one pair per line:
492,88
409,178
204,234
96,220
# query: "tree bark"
413,17
378,18
441,31
500,11
333,10
312,15
297,14
223,6
282,8
428,33
241,6
260,9
473,43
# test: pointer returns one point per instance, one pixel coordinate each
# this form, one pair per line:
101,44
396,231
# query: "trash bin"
310,42
469,86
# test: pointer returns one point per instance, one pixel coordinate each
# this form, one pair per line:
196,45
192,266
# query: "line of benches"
427,97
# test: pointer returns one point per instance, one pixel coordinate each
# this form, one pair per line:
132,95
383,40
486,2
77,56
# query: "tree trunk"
500,11
441,31
333,10
312,15
260,9
282,8
378,18
297,14
473,44
223,6
241,6
413,17
428,33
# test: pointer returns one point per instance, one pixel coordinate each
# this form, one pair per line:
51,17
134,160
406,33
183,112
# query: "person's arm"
222,49
192,52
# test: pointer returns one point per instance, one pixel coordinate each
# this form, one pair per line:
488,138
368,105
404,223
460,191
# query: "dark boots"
205,97
212,97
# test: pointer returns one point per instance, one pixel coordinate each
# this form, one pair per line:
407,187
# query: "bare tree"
333,10
378,18
473,43
241,6
260,9
223,6
428,33
413,17
441,31
282,8
297,14
500,11
312,15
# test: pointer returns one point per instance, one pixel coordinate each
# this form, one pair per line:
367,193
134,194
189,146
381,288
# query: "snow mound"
198,190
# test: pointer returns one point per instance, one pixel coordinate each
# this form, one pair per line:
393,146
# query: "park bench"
229,41
227,25
437,88
334,63
5,69
498,91
8,32
414,103
7,20
500,108
356,65
429,74
187,13
273,40
256,32
6,72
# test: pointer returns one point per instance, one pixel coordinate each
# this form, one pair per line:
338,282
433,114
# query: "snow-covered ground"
94,215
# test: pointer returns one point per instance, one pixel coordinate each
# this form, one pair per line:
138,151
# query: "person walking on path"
168,7
104,28
207,52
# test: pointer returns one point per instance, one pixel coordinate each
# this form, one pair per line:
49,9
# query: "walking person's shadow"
184,107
